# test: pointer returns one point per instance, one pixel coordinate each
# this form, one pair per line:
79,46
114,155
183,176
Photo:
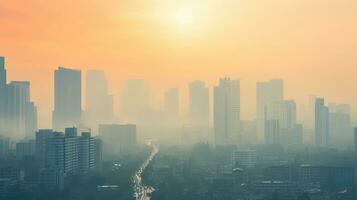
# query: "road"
142,192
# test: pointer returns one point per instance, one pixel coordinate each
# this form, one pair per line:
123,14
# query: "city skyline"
178,99
304,55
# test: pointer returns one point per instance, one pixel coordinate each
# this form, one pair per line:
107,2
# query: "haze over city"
307,43
178,100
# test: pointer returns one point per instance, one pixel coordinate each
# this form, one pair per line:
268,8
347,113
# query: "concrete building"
99,104
4,146
118,138
69,153
98,153
26,148
322,132
18,115
86,153
68,98
134,100
267,92
244,158
198,111
172,102
227,112
272,132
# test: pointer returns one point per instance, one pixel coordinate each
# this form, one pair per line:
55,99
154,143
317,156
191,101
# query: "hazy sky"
312,44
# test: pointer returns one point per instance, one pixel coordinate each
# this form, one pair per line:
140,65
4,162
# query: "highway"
142,192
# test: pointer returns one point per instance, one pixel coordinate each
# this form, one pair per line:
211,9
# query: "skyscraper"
340,127
21,112
172,102
272,131
2,95
267,92
118,138
198,129
322,133
280,117
199,103
135,100
99,104
3,80
18,115
227,111
68,102
355,137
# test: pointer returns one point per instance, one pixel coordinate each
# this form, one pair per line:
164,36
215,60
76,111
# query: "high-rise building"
340,125
99,104
18,115
272,131
98,153
244,158
68,102
227,111
267,92
25,148
67,152
3,80
198,126
135,100
355,137
284,113
86,152
4,146
172,102
118,138
41,145
322,133
21,112
2,95
199,103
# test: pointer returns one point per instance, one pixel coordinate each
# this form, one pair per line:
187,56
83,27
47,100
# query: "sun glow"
184,17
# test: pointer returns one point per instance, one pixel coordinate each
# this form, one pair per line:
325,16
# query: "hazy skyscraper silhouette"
322,132
198,111
226,111
21,112
172,102
99,104
18,115
2,73
282,127
2,94
68,102
135,100
199,103
267,92
340,127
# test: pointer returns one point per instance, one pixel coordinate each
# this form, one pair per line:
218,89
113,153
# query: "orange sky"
312,44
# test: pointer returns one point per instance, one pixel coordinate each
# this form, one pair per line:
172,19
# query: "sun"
183,17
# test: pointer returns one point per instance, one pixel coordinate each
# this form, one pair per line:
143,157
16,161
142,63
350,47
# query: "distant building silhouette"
267,92
340,125
18,115
118,138
68,102
134,100
198,111
355,137
322,132
99,104
172,102
227,111
3,80
284,114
